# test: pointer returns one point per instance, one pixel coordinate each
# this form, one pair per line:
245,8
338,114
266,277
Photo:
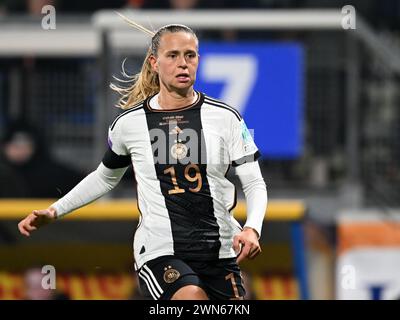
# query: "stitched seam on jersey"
138,107
222,104
124,113
131,108
224,107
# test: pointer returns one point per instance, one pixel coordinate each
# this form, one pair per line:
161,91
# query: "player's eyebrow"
177,51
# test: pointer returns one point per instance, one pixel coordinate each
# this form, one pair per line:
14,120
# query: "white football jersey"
180,158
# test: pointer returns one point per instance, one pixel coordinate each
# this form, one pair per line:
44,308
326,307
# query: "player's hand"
246,242
35,220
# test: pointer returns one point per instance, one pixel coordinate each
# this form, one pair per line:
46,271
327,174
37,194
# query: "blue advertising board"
265,82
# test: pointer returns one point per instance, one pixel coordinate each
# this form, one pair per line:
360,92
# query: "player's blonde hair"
146,82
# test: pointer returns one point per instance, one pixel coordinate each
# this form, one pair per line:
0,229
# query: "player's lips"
183,77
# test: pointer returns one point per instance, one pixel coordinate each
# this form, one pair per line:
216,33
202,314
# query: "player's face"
177,61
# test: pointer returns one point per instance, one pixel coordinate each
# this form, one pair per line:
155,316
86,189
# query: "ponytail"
142,85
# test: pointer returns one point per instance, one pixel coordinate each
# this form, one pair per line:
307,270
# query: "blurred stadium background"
323,102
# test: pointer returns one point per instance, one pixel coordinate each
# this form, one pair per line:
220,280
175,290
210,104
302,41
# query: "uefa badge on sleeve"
246,135
248,143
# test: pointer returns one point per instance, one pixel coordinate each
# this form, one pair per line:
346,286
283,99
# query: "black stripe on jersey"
250,158
114,161
234,194
194,227
224,107
234,201
217,103
134,108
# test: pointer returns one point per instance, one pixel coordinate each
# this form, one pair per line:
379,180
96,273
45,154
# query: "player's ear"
153,63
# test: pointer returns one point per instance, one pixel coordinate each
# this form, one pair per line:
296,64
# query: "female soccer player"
181,143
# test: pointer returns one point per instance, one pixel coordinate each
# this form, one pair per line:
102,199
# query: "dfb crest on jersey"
171,275
179,150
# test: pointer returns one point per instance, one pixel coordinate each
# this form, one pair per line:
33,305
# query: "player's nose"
182,62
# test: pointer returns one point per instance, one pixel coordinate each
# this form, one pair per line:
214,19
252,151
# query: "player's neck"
169,100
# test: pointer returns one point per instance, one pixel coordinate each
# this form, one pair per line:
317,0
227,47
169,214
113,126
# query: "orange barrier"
366,234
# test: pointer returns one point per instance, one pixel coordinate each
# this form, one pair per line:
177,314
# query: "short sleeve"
242,148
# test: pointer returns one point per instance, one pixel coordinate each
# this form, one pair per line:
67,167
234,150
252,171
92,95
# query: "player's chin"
183,85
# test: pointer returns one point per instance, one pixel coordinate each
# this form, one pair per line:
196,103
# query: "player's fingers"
30,220
245,252
236,244
30,227
240,257
21,228
254,252
248,248
26,225
39,213
26,230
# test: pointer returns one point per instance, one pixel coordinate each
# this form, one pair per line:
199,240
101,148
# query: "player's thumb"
236,244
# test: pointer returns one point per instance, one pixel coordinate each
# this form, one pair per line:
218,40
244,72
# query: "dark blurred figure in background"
26,168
